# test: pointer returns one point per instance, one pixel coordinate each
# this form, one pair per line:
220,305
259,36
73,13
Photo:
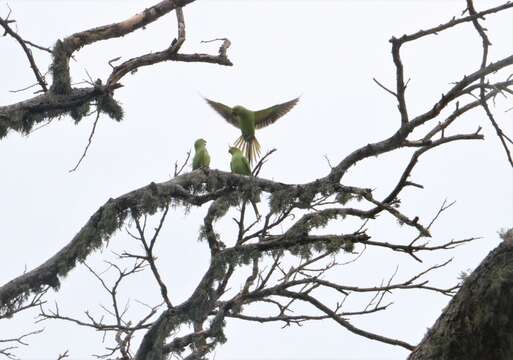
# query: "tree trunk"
478,322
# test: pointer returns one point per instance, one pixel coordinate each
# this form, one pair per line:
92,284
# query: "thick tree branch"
478,322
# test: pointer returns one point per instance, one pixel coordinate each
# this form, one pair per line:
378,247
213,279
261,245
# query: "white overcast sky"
328,52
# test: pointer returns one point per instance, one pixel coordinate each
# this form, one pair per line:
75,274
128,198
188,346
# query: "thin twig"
89,141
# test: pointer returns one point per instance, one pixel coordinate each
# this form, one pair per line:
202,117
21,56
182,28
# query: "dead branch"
62,99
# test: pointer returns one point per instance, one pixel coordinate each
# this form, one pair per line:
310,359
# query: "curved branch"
80,39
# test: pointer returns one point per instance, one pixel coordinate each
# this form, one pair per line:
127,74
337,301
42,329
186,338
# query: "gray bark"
478,322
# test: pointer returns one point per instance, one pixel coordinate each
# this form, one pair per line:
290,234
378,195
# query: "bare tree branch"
23,43
62,99
283,259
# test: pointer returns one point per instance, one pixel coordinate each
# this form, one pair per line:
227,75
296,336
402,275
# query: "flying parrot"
247,121
240,165
201,157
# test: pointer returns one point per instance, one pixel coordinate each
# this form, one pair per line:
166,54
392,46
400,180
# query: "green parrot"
201,157
240,165
247,121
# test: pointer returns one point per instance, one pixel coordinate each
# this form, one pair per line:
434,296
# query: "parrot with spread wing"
240,165
247,121
201,157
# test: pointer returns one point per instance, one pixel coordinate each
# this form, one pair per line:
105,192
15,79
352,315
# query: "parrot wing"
270,115
196,163
246,166
224,111
205,158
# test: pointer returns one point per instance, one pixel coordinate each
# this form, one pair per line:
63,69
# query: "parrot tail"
251,148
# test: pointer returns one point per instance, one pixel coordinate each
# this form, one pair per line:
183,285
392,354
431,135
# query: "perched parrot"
240,165
201,157
247,121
